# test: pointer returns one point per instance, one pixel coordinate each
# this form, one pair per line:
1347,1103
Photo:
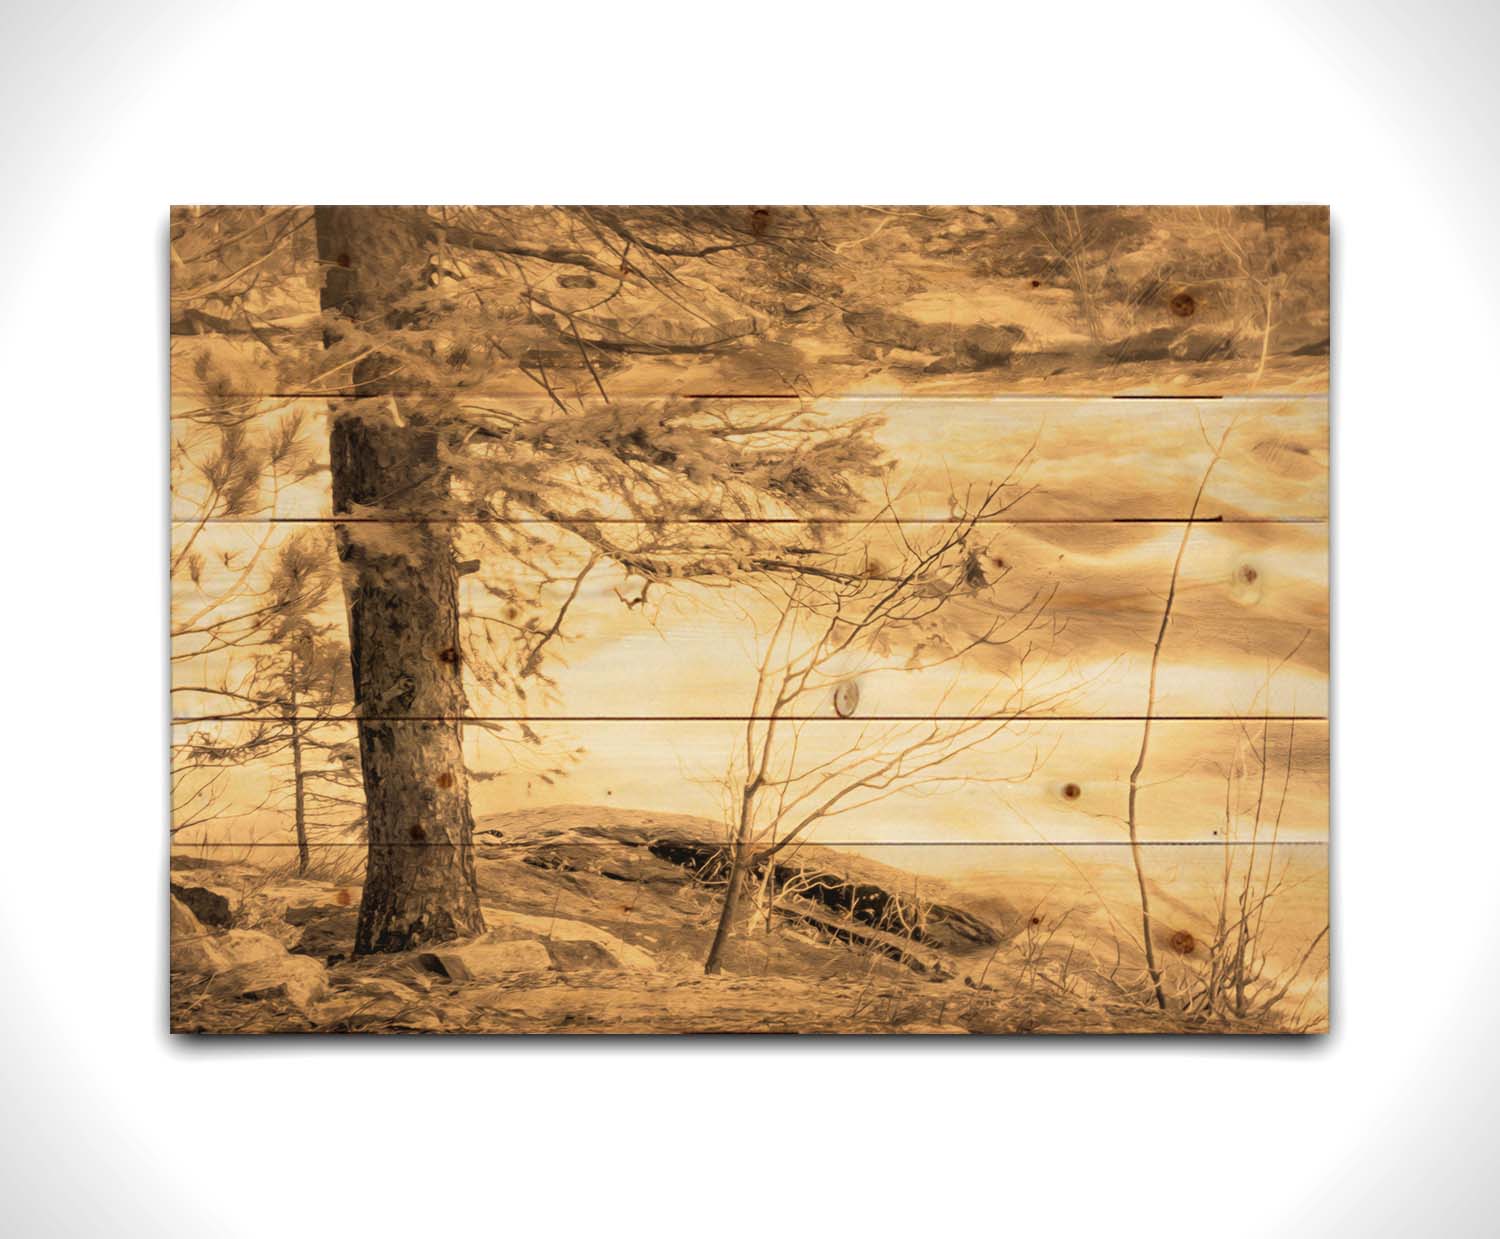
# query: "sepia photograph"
749,619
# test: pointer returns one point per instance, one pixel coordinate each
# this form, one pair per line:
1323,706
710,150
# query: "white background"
111,111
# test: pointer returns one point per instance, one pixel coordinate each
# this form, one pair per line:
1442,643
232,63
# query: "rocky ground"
599,921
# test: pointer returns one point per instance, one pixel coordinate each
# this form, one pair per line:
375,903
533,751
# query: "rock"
574,956
976,346
208,954
369,1001
197,954
194,949
1176,344
554,929
486,958
184,923
248,946
1201,344
387,987
1149,345
243,962
208,906
889,330
621,864
265,910
330,933
984,347
292,978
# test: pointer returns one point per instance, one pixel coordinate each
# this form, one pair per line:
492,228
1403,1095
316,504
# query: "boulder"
184,923
889,330
554,929
295,979
576,956
208,954
972,346
985,347
249,946
487,959
327,934
208,906
194,949
1171,343
196,954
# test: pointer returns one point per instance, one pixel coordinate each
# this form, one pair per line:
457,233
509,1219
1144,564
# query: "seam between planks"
1080,397
839,843
771,520
859,720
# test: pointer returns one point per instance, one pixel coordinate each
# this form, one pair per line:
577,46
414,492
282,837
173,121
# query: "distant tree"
304,678
224,469
1267,266
289,710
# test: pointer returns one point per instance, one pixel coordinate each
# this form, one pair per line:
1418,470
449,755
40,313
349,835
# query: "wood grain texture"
1078,607
834,619
885,301
1060,460
1024,782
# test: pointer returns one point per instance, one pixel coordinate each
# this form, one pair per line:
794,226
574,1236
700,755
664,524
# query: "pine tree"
421,313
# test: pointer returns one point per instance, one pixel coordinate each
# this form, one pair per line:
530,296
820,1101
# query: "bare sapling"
887,600
1216,453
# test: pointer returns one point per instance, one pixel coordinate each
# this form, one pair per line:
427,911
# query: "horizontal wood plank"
1056,460
1078,608
965,568
1024,783
1067,300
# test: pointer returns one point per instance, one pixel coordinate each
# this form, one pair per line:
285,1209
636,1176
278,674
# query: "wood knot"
1182,942
417,833
449,656
1071,791
445,779
1183,305
1246,584
343,898
343,260
846,699
760,220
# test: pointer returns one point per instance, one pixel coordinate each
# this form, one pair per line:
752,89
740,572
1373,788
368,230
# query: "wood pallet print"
749,619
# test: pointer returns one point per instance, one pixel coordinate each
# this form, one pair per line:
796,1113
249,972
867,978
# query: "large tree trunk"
401,583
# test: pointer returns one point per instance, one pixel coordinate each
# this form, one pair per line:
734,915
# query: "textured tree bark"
401,585
737,867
